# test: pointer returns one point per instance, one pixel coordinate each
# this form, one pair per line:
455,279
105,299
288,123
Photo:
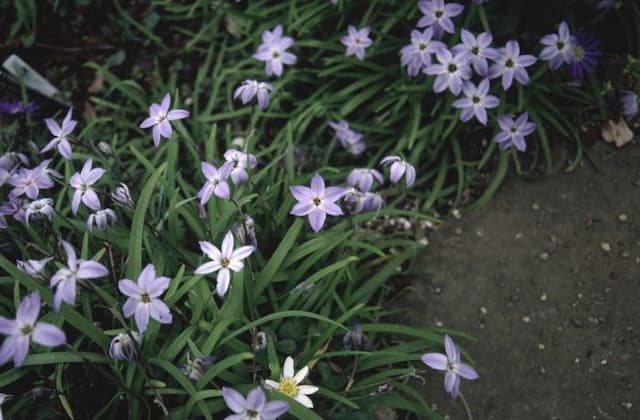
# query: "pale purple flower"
476,102
160,117
32,267
24,328
40,207
355,201
13,207
437,15
101,218
216,182
417,55
196,367
17,108
478,49
223,261
122,196
65,278
559,47
399,168
357,41
605,4
451,72
143,298
31,181
630,104
252,88
514,132
316,202
451,364
362,178
60,140
123,348
83,183
241,162
11,160
290,383
509,64
372,202
348,138
273,51
254,407
356,339
245,232
479,2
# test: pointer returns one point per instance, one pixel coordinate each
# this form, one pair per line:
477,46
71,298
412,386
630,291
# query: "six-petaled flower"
357,41
273,51
160,119
316,202
514,132
290,383
83,182
452,366
61,135
254,407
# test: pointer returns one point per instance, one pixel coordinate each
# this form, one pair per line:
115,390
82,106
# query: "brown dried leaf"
618,133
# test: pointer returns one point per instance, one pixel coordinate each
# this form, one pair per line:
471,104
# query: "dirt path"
547,277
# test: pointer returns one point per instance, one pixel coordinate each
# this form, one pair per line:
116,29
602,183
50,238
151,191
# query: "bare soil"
547,278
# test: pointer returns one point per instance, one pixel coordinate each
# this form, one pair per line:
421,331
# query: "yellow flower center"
317,201
288,387
578,52
224,263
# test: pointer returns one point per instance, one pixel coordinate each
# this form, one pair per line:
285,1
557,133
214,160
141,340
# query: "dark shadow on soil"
547,277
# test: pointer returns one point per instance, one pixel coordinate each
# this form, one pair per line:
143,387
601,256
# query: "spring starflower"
24,328
559,48
478,49
65,278
160,117
398,168
254,407
451,364
437,15
101,218
83,183
273,51
510,64
216,182
290,383
514,132
362,178
356,41
476,102
417,55
252,88
451,72
60,140
316,202
241,162
223,261
144,298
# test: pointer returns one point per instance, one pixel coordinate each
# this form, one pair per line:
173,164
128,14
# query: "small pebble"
544,256
526,319
623,218
519,236
604,362
535,207
456,214
423,241
543,297
605,246
458,231
576,322
540,346
627,406
576,360
625,255
483,310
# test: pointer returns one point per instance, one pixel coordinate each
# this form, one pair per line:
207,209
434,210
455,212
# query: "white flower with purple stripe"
32,267
417,55
273,51
254,407
399,168
23,329
478,49
362,178
451,71
241,162
514,132
316,202
476,101
216,182
437,15
357,41
223,261
60,140
42,206
83,183
65,278
143,298
252,88
101,218
510,64
451,364
160,117
559,47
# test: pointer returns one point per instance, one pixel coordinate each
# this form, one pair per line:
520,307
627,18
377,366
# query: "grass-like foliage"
203,243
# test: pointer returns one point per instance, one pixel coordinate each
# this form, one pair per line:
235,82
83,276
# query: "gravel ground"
547,278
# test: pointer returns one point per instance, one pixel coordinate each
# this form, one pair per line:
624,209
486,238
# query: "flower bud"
123,348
